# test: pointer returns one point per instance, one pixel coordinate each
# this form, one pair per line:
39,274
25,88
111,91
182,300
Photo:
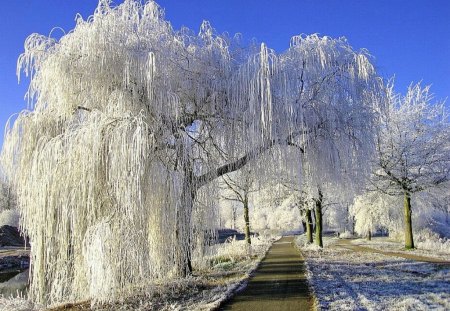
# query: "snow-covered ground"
347,280
426,248
217,276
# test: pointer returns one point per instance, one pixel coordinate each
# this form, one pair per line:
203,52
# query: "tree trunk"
183,252
247,222
353,225
313,221
302,215
369,235
318,215
309,224
409,241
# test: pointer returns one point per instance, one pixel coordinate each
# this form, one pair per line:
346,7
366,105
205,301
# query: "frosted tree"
238,187
323,190
323,198
413,148
7,196
444,203
369,211
131,122
336,213
295,195
8,205
271,210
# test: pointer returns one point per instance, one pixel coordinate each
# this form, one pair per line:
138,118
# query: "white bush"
346,235
429,240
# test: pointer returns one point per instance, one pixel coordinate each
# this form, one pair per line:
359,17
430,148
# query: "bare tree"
239,186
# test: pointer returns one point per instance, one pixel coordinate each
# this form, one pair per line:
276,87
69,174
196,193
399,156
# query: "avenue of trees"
135,132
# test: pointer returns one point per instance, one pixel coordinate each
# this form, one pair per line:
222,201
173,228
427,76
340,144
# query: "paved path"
346,243
14,251
278,284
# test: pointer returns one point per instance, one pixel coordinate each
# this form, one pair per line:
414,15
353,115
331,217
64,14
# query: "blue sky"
408,38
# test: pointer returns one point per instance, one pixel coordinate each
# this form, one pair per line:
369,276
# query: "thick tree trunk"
318,215
304,226
183,260
409,240
313,221
303,217
247,222
183,252
309,224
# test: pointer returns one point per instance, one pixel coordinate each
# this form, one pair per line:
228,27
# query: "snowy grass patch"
345,280
433,247
301,242
18,304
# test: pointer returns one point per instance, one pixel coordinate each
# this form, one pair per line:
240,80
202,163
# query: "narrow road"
346,243
278,284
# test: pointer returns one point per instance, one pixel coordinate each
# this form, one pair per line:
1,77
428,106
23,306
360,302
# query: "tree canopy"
131,122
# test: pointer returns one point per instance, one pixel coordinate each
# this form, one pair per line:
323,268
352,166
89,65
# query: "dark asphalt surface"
278,284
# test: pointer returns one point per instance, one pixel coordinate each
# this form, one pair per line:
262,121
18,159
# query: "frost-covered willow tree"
413,148
131,122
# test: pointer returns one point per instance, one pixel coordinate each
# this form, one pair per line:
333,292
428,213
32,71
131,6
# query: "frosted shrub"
301,242
429,240
225,255
233,249
346,235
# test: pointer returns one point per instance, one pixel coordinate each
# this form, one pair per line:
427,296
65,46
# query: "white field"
347,280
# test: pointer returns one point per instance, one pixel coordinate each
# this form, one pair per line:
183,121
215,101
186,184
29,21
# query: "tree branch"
233,166
84,108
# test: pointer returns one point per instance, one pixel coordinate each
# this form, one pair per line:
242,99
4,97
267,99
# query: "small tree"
368,210
239,186
7,197
413,148
9,214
